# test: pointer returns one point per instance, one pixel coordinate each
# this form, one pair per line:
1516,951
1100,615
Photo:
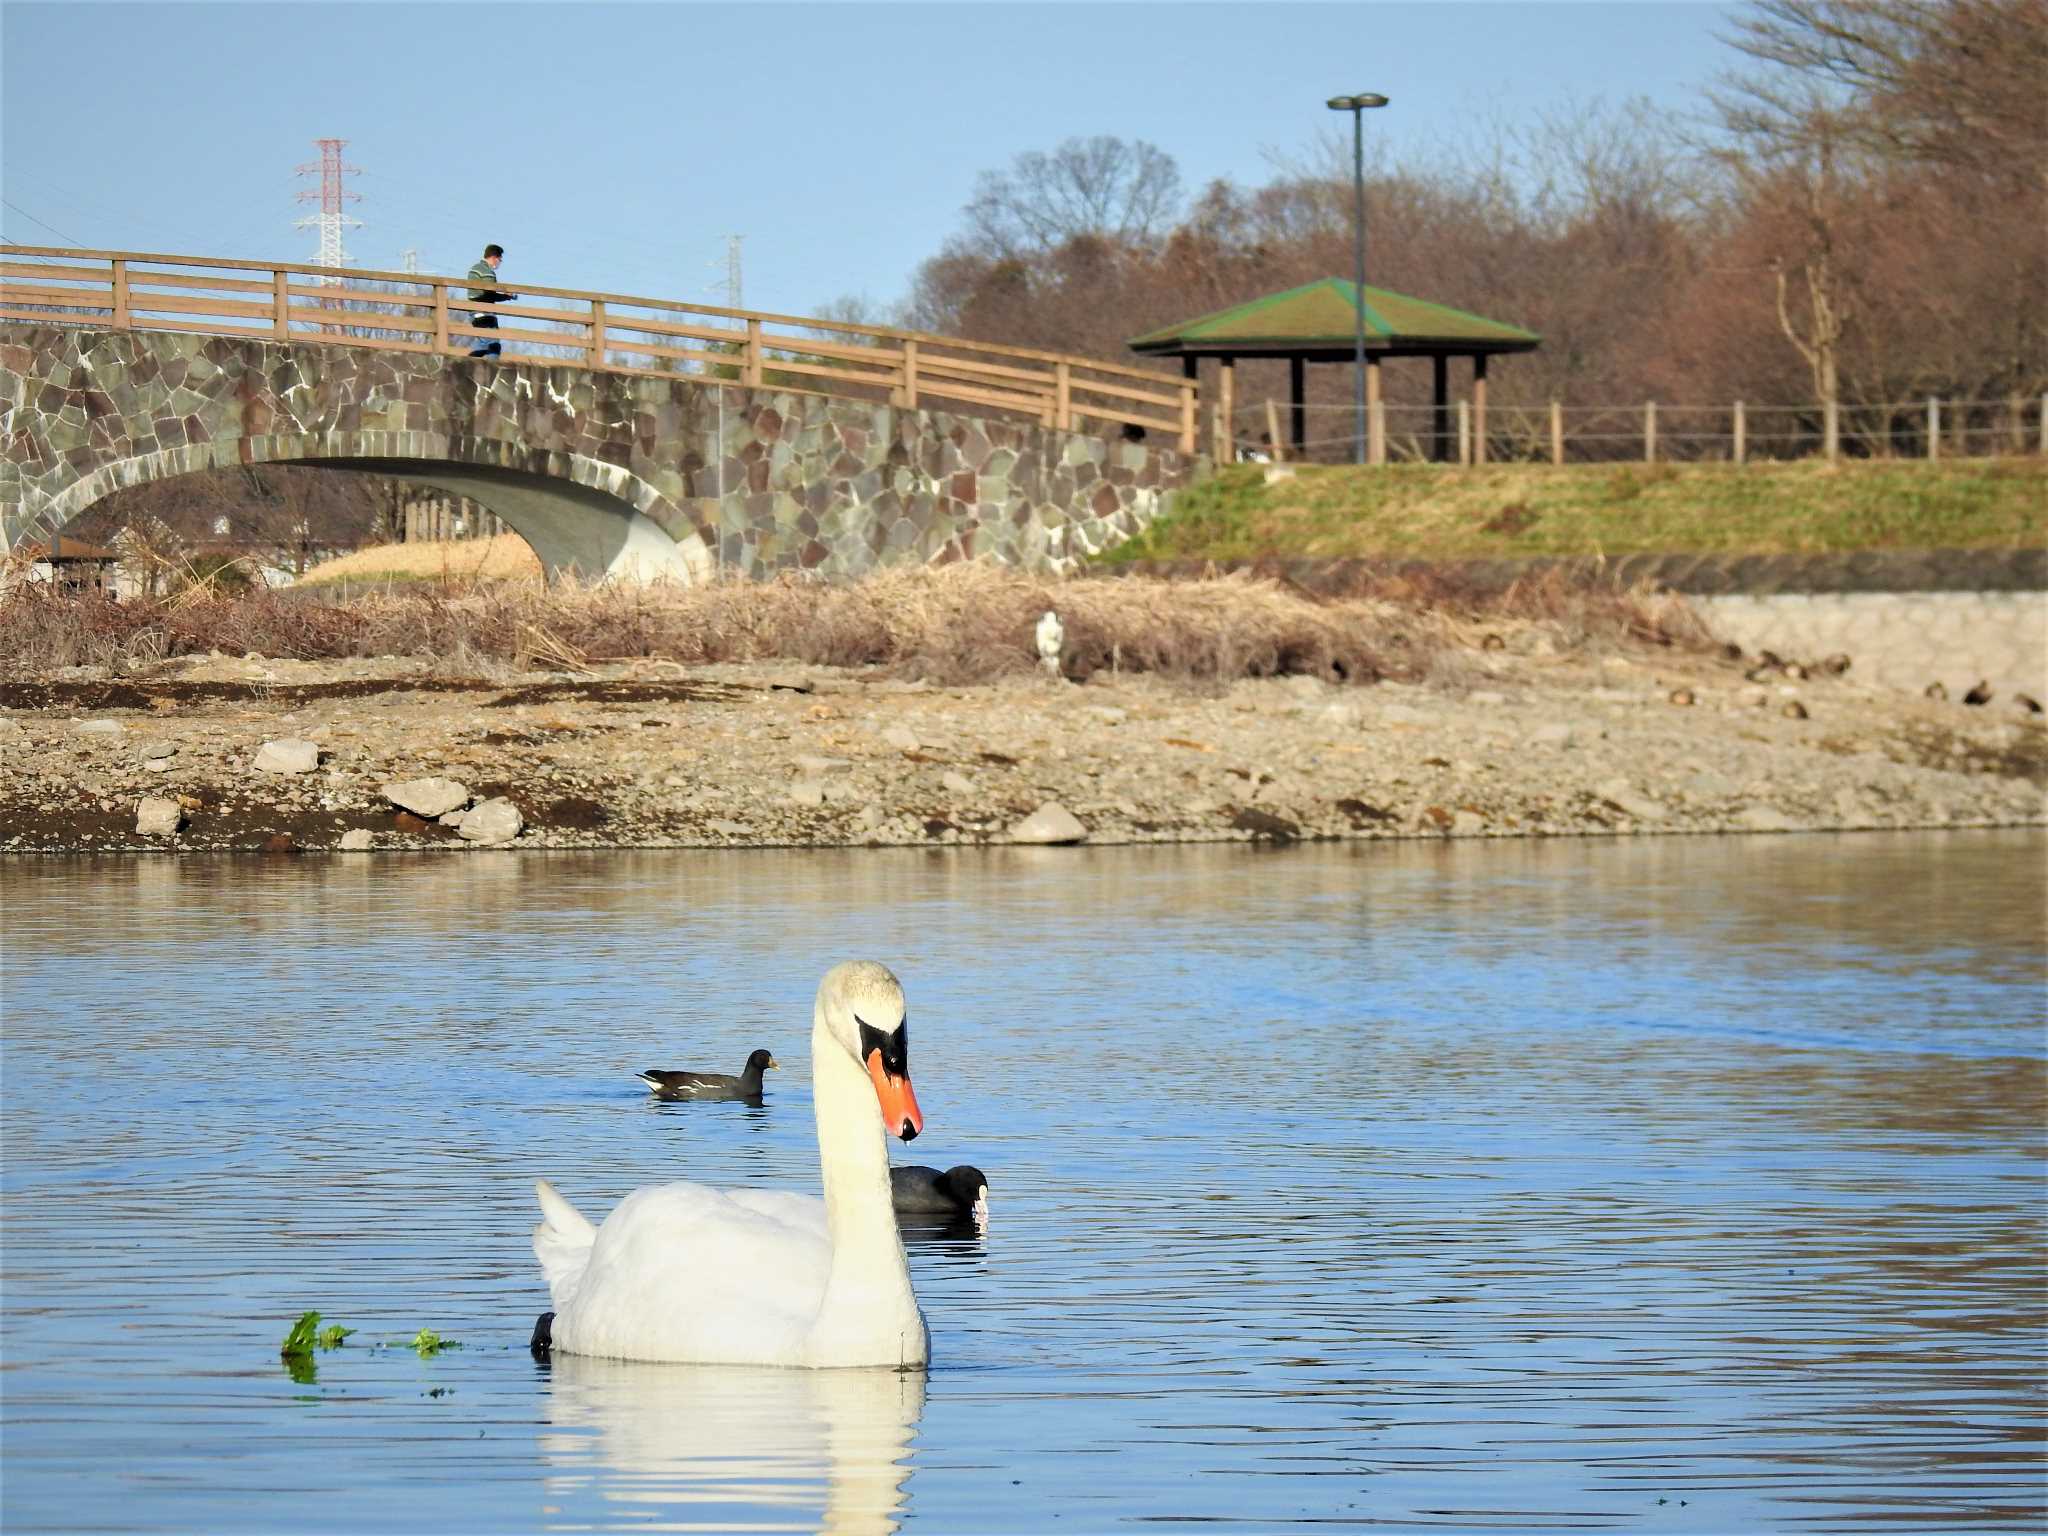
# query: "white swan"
682,1272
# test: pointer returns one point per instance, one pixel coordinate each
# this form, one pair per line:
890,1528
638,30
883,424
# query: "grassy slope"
1426,512
504,557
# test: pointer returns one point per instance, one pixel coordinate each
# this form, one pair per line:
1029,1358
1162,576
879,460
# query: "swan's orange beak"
899,1101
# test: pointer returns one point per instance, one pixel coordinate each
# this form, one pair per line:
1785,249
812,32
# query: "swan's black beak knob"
909,1131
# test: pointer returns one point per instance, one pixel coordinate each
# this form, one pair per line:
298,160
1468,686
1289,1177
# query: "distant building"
79,567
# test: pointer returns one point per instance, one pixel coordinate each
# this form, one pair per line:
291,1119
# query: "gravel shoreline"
1535,739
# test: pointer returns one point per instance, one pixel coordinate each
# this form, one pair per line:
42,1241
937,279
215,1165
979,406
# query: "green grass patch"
1524,511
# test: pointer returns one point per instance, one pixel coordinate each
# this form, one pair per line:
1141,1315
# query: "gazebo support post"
1226,411
1297,394
1440,448
1479,408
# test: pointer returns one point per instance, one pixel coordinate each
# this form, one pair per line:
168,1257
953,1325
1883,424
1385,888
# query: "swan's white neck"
868,1316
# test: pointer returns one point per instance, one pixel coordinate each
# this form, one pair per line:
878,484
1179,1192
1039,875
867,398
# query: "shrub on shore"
953,624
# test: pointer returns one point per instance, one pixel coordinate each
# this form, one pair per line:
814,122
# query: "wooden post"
1464,433
1065,421
441,343
1479,408
1375,415
1741,435
597,333
2019,425
121,319
281,305
1557,432
751,372
1440,422
1297,387
1190,438
1933,428
1275,442
1226,411
1649,431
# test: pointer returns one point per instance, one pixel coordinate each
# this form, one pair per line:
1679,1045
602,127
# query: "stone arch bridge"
609,471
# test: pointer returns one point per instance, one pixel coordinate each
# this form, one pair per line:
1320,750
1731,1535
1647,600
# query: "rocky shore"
1530,739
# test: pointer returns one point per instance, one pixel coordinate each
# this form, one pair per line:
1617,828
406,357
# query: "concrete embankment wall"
1901,639
1905,618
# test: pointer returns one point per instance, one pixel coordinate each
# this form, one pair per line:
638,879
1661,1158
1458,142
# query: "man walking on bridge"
482,274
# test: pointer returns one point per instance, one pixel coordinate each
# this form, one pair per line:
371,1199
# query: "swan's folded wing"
685,1272
561,1242
804,1212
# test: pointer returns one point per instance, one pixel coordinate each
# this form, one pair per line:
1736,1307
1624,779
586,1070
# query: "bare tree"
1946,82
1106,188
1828,306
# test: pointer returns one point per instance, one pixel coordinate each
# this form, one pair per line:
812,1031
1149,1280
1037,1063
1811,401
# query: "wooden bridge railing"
617,333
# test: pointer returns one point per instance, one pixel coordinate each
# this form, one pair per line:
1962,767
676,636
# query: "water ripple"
1686,1183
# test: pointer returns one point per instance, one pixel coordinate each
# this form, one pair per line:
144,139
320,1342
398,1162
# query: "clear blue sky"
615,146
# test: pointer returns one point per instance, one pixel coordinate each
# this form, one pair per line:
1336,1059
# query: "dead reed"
953,624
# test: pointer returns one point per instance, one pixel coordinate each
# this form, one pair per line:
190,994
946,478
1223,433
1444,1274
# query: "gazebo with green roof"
1318,323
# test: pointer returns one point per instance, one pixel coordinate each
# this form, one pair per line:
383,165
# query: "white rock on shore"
427,798
1051,823
157,817
493,821
288,755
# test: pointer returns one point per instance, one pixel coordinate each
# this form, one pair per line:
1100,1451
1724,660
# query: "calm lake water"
1673,1185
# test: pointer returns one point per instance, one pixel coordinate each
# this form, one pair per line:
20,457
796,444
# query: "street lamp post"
1356,105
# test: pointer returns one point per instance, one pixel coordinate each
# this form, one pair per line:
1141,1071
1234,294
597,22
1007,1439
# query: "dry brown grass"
954,624
458,562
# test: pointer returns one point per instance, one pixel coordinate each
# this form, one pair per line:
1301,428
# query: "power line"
53,229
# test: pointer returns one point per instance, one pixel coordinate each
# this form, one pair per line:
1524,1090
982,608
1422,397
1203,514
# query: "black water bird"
1981,694
920,1191
711,1085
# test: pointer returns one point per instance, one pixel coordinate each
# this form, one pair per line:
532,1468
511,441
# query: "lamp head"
1354,103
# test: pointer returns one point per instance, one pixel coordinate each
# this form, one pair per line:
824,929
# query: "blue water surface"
1673,1184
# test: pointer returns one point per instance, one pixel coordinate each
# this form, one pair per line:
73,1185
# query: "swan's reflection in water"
723,1447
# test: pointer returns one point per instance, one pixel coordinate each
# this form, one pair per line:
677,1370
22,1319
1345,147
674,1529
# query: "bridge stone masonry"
609,474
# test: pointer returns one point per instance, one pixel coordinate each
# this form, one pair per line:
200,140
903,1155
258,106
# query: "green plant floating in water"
307,1335
427,1343
304,1337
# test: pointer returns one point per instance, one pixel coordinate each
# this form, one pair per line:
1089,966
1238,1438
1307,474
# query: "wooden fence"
1650,432
609,332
